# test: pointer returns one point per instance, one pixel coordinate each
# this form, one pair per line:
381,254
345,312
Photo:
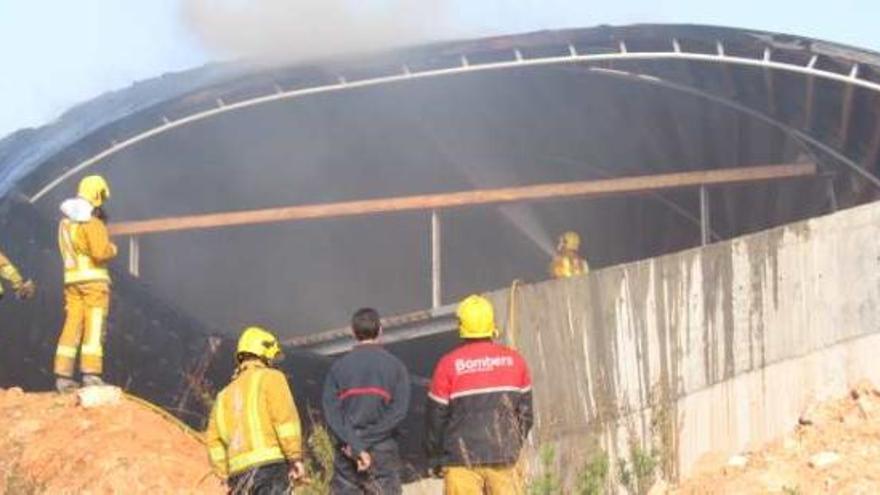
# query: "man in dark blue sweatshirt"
366,396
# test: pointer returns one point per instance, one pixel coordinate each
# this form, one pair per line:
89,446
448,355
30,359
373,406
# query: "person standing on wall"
85,250
254,435
366,396
24,289
479,409
568,261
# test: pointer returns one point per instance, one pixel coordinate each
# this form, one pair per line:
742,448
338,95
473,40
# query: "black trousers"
270,479
383,477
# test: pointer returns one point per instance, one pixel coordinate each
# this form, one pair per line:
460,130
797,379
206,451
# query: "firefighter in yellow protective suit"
568,262
85,250
24,289
254,435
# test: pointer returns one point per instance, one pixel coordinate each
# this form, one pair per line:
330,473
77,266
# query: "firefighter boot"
65,385
93,381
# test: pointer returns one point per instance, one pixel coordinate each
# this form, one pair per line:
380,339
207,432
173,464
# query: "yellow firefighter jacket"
566,265
9,272
85,249
254,422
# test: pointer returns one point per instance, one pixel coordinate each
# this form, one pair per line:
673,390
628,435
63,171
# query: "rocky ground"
834,449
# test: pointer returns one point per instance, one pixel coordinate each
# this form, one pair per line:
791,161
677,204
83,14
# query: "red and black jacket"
479,406
366,396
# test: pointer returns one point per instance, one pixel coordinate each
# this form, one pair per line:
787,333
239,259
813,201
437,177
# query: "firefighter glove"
26,289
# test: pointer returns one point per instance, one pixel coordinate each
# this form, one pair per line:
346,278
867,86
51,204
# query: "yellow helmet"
259,342
476,318
94,189
569,241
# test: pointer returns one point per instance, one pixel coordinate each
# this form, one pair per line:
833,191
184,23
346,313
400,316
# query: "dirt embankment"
49,444
834,449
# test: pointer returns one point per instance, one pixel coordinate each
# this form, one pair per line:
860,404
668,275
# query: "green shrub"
319,465
638,473
593,478
547,483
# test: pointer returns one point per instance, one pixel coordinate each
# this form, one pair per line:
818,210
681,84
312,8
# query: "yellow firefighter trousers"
491,480
86,306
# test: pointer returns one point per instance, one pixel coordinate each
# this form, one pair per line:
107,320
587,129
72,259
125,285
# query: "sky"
57,53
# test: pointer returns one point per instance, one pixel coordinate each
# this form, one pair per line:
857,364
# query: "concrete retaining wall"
725,344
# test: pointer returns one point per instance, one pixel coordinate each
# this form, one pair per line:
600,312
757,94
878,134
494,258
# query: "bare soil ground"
834,449
49,444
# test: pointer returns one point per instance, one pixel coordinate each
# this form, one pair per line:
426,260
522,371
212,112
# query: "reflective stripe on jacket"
479,409
9,272
254,422
366,396
85,249
568,265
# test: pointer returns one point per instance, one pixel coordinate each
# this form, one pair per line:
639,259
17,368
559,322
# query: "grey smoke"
284,31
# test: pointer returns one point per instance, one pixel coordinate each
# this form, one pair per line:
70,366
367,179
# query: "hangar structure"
646,139
546,107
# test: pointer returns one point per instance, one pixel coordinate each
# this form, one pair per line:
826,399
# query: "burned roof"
810,85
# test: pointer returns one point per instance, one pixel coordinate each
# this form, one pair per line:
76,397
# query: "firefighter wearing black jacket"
479,409
366,395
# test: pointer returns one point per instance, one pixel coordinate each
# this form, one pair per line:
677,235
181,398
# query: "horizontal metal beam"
573,57
392,335
595,188
394,329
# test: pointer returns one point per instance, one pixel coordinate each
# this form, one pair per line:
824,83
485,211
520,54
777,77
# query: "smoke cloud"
284,31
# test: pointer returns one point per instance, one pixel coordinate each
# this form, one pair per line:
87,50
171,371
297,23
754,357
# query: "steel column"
832,194
134,256
810,98
846,115
705,217
436,283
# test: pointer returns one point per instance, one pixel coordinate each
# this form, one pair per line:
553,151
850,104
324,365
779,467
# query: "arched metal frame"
802,138
519,61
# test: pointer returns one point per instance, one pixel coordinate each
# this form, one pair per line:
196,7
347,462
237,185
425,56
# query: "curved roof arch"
170,102
465,67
